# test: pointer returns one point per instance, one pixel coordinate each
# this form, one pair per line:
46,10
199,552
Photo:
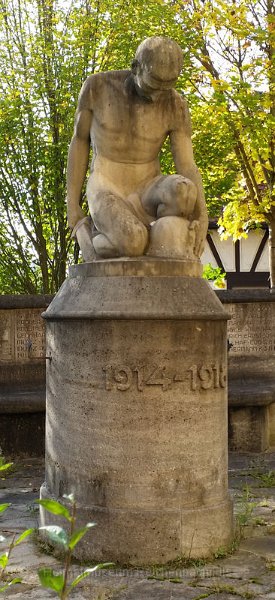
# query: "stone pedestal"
137,410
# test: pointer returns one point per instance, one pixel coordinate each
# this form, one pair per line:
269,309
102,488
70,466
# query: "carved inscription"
22,334
207,377
251,328
30,336
203,377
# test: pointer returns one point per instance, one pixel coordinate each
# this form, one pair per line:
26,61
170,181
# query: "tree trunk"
272,252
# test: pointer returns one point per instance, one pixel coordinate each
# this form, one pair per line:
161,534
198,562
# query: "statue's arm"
182,151
78,157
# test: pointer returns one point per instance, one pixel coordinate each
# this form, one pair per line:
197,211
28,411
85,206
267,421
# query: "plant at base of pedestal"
5,468
60,582
244,514
4,558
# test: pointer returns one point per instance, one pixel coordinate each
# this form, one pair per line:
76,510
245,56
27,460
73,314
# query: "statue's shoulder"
179,100
180,111
99,80
100,86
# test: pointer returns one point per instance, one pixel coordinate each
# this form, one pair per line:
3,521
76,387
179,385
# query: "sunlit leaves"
49,579
45,55
47,50
56,508
56,534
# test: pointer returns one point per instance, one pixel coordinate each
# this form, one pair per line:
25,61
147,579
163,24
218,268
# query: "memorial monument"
136,386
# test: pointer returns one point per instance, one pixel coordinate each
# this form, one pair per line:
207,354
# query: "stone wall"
22,373
251,335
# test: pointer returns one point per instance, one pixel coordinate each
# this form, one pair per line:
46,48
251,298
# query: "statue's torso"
125,127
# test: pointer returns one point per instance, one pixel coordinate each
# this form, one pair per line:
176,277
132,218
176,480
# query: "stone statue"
125,116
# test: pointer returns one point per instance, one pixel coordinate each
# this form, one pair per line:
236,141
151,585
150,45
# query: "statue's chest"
139,119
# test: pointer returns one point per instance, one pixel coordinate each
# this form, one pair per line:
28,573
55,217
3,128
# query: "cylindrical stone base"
137,412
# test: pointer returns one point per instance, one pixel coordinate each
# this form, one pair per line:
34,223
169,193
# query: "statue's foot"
104,248
133,243
172,237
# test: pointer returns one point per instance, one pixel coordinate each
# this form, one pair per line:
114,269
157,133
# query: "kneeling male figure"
126,116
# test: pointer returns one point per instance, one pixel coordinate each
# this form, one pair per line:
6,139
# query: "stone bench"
251,408
22,420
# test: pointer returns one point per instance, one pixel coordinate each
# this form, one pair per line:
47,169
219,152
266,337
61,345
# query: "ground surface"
248,573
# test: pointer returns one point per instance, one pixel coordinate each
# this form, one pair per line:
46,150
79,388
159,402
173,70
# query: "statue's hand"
201,231
74,215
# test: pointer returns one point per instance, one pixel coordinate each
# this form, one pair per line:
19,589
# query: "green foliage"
48,49
5,557
56,534
265,479
49,580
214,274
258,469
245,510
5,467
59,583
55,508
4,507
10,583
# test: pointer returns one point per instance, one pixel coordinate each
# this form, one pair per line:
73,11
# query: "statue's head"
157,64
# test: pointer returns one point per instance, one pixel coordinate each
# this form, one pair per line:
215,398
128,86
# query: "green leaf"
12,582
6,466
56,534
4,507
55,508
77,535
48,579
23,536
87,572
4,560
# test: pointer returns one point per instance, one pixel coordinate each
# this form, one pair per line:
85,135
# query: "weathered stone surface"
22,334
22,375
249,428
251,371
126,116
262,546
137,412
148,290
251,328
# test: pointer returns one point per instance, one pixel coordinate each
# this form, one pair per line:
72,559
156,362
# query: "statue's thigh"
114,219
110,212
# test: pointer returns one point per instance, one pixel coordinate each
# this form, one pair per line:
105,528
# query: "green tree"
48,48
232,47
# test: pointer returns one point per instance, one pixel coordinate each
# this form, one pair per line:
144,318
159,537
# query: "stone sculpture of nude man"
126,116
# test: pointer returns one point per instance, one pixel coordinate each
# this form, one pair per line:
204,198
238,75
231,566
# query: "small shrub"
57,582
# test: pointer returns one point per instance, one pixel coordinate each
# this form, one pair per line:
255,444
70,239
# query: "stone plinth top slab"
136,289
138,267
